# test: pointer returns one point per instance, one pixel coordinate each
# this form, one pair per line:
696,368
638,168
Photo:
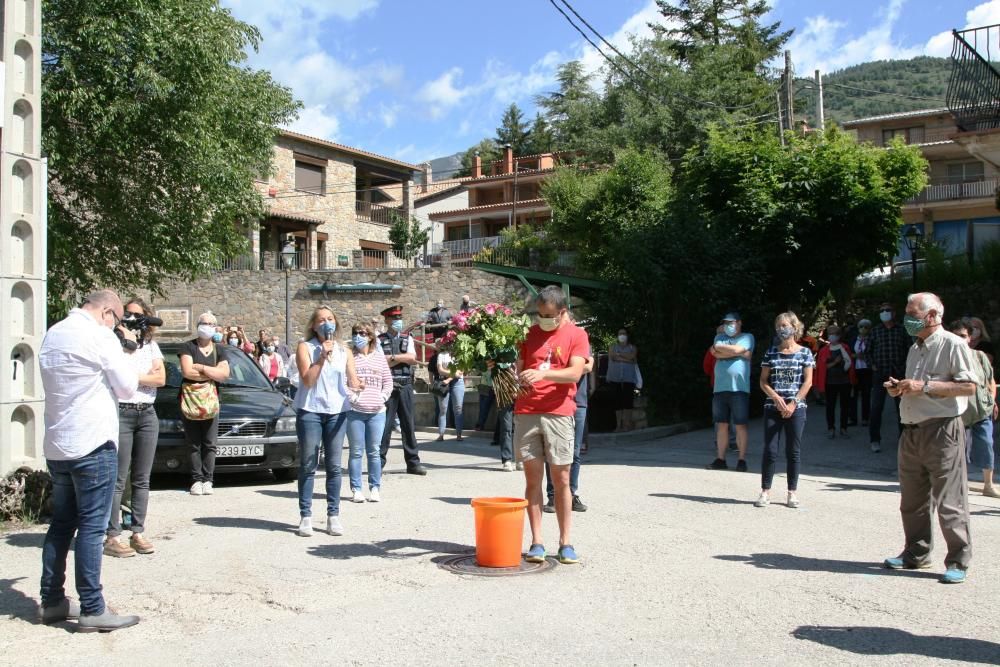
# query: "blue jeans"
580,425
82,490
486,399
364,434
314,429
455,397
503,433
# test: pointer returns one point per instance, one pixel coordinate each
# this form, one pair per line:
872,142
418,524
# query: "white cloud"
388,114
979,16
316,122
440,95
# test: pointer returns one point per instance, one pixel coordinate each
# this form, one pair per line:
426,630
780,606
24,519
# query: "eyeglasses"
885,310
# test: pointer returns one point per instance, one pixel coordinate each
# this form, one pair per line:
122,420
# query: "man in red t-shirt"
551,360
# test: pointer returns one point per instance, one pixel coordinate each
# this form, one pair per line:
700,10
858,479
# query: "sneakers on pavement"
550,506
567,555
305,527
763,500
876,447
741,466
141,544
197,489
578,505
508,466
900,563
333,526
66,609
358,497
207,488
373,495
792,501
953,575
519,466
106,622
718,464
112,547
536,554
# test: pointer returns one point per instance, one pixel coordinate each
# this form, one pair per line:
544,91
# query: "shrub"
26,495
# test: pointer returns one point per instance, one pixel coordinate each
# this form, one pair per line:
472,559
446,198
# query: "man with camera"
84,371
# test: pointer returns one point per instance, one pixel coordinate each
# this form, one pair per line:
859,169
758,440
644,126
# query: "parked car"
256,420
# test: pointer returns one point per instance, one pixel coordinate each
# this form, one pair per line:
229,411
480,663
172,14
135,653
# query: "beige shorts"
548,437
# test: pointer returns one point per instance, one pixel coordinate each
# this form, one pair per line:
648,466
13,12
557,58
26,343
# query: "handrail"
973,95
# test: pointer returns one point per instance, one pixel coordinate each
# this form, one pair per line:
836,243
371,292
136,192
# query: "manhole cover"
466,564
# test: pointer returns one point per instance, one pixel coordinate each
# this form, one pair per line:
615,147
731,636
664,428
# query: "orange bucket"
499,531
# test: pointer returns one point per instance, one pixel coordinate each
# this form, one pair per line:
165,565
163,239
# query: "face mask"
269,349
327,329
730,329
548,323
885,317
217,337
834,338
360,341
784,333
622,339
913,325
397,325
206,331
234,341
440,304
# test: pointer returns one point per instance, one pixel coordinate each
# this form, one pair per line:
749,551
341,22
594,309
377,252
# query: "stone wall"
256,299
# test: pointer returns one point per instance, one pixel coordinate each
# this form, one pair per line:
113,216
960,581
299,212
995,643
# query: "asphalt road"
678,568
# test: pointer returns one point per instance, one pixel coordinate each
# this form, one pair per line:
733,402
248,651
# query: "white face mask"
206,331
622,338
548,323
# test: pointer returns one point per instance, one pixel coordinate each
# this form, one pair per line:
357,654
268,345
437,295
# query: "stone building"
22,237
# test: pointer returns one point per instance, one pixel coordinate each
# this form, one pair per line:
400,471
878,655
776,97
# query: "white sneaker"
305,527
373,495
508,466
793,500
358,497
876,448
197,489
206,488
520,466
763,500
333,525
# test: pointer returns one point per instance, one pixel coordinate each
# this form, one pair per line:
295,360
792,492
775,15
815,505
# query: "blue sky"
417,81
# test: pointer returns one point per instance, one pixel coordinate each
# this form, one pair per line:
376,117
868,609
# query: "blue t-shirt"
733,374
787,372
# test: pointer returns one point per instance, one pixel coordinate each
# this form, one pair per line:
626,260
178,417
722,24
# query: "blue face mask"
327,329
360,341
730,329
397,325
217,337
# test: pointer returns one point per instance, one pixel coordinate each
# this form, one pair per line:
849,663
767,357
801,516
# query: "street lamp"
912,237
287,258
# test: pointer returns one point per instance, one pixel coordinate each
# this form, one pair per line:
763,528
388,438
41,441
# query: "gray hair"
103,298
552,295
793,321
925,302
208,317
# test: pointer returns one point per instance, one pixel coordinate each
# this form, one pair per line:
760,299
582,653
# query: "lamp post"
912,237
287,258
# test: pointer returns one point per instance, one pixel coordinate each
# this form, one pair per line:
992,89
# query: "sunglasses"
885,310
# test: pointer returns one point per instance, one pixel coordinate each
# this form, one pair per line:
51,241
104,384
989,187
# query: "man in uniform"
400,352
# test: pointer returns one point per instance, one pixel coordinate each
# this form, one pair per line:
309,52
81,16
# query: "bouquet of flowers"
488,333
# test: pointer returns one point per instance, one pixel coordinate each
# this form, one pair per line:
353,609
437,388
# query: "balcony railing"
467,246
951,190
974,87
378,214
545,259
328,260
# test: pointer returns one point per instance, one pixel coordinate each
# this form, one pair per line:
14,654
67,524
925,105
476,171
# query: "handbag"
439,388
199,401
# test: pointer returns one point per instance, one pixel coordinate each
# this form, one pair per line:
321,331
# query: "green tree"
513,130
155,130
540,138
488,152
568,110
407,237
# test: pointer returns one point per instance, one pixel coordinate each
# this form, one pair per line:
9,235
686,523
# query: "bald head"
105,306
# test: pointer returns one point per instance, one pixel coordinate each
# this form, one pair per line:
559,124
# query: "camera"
140,325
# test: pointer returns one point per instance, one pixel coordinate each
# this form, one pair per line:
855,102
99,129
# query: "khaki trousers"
932,474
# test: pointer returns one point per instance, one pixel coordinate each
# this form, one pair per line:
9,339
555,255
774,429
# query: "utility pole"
820,118
790,90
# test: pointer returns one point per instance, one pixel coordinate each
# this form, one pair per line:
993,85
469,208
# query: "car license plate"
230,451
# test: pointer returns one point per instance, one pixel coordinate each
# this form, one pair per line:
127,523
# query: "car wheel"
283,474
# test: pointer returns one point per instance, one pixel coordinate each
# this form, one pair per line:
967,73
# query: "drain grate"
466,564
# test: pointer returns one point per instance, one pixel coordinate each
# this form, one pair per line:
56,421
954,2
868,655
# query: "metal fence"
328,260
376,213
973,95
948,190
542,259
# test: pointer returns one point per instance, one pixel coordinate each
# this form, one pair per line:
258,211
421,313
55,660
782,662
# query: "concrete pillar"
445,258
407,199
311,243
23,236
357,259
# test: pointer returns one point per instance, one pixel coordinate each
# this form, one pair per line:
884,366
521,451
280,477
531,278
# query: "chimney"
426,177
477,166
508,159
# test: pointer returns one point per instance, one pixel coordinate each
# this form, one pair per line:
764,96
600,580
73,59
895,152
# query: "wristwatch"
927,387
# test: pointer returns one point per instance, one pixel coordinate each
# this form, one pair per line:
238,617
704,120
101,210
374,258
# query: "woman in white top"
454,384
138,429
321,407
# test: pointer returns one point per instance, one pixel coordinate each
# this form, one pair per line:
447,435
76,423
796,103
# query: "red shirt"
555,348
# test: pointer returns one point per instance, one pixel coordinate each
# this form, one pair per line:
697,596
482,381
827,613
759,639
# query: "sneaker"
519,466
567,555
832,434
206,488
953,575
358,497
305,527
141,544
536,554
112,547
333,526
578,505
900,563
508,466
793,500
741,465
373,495
763,500
876,447
718,464
550,506
197,489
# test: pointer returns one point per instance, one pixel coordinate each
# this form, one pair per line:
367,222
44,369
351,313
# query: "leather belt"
135,406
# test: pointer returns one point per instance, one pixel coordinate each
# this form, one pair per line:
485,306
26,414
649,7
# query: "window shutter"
309,177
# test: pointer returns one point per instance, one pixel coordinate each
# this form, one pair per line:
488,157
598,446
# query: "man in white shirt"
84,372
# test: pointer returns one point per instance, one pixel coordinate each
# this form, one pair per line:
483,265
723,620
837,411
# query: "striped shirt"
787,372
373,372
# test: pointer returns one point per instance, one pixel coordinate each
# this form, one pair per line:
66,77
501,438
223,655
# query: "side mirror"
282,384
